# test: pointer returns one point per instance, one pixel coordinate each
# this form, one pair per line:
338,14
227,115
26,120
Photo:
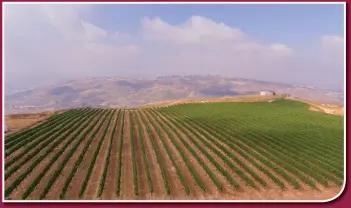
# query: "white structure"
5,128
266,93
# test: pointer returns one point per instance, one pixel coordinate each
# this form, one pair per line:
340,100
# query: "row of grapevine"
218,153
54,158
242,153
191,169
70,153
193,147
26,155
293,138
276,147
35,136
158,155
189,147
119,162
169,153
46,152
134,162
293,166
80,157
314,154
223,171
229,154
143,152
92,164
268,163
107,158
53,119
317,171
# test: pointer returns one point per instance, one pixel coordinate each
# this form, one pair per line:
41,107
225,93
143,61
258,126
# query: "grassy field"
256,150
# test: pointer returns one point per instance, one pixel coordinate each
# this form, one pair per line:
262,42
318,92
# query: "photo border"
339,200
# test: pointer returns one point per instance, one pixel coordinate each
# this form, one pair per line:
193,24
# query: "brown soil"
127,185
20,150
210,186
94,180
155,172
245,98
26,165
78,178
274,192
54,192
42,184
195,190
333,109
110,182
287,184
17,193
222,163
211,190
176,188
17,122
180,164
251,166
144,192
271,191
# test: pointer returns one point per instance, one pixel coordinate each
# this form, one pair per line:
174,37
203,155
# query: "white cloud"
332,50
201,30
333,42
197,29
47,42
201,45
44,43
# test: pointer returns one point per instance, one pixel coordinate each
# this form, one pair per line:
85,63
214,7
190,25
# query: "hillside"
128,92
222,150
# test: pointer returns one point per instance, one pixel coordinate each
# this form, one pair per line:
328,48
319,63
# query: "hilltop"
16,122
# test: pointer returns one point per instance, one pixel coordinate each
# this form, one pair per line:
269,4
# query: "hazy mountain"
129,92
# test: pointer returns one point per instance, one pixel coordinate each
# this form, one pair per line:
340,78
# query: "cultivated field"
257,150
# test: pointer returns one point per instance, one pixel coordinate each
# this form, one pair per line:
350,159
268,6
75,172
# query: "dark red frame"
344,200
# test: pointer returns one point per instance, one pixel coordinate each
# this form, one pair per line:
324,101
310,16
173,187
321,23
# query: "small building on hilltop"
267,93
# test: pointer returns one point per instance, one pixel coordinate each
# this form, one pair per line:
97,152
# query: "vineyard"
257,150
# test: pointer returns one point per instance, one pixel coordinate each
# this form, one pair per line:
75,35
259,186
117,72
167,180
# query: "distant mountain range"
131,92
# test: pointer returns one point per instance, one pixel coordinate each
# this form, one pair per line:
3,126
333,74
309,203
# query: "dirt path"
59,183
195,191
17,193
94,180
110,183
156,177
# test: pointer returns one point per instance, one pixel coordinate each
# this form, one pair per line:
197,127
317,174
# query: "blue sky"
297,24
286,43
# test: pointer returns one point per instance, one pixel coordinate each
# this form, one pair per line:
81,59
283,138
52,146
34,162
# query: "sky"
294,44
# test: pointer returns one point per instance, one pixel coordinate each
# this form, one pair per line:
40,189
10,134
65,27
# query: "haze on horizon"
293,44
